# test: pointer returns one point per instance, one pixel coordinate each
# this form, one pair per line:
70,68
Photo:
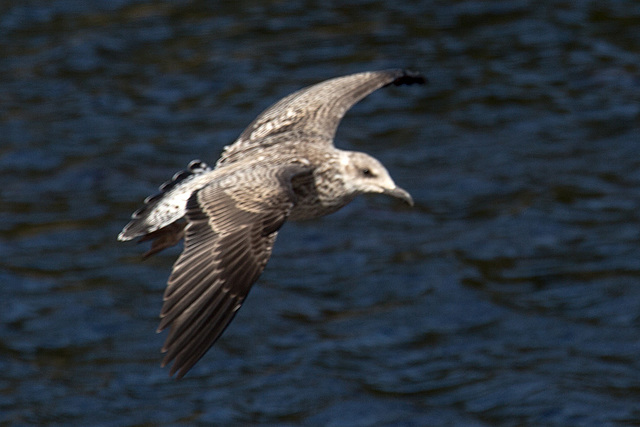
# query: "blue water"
509,295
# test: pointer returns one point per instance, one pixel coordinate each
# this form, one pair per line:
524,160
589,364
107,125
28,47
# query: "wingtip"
408,77
175,372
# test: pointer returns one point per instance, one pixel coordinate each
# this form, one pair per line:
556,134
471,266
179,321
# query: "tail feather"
166,207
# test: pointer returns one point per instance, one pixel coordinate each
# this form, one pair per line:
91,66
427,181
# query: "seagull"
283,166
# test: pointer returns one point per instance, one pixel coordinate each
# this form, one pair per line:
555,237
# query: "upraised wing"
313,113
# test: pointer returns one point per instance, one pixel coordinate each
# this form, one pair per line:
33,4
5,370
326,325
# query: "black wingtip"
410,77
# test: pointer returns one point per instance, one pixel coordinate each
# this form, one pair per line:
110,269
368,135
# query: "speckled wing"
313,114
231,226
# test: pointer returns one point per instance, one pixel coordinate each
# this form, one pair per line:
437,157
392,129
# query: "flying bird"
283,166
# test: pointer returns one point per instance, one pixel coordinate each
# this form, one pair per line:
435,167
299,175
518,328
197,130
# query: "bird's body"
283,166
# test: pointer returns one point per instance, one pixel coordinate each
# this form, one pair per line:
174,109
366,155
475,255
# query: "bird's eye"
367,172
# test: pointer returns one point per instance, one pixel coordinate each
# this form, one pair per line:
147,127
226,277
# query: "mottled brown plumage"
283,166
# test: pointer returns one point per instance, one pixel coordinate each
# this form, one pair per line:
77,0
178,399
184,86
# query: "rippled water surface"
509,295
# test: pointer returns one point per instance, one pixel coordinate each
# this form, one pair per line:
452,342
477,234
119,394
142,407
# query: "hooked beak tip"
402,194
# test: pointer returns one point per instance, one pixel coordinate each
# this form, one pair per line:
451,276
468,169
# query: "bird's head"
365,174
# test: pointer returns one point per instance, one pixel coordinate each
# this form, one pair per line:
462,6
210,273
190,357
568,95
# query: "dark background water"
509,295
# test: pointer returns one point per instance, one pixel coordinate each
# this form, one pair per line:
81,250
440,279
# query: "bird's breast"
317,196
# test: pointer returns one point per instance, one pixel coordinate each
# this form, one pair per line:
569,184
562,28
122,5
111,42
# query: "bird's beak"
400,193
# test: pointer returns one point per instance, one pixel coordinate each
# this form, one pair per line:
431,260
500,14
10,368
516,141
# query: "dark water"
510,295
